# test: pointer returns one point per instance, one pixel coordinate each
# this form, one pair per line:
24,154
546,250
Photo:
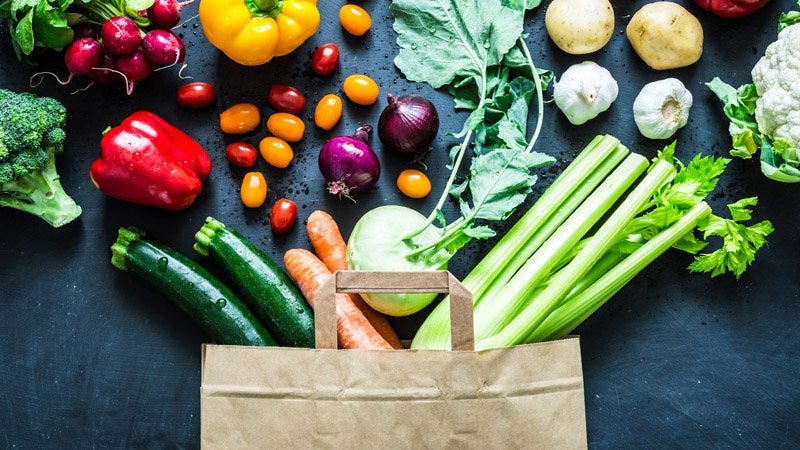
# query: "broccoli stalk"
40,193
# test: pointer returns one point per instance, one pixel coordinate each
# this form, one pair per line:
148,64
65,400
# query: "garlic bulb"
584,91
662,108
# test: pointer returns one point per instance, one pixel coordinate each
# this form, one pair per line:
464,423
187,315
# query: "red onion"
348,164
408,124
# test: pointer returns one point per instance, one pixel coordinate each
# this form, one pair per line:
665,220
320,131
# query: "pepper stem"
266,5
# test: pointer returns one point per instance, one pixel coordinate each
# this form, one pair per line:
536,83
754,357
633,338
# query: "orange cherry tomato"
414,183
276,152
254,189
355,20
361,89
239,119
286,126
328,111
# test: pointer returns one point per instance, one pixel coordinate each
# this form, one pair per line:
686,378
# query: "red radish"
82,30
135,68
165,14
120,36
82,55
163,48
104,73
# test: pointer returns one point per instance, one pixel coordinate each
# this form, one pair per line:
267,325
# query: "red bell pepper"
731,8
147,161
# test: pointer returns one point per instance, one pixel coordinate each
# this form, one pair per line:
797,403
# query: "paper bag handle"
353,282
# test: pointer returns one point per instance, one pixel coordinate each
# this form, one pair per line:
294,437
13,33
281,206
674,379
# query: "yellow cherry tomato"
254,189
328,111
276,152
354,19
361,89
286,126
413,183
239,119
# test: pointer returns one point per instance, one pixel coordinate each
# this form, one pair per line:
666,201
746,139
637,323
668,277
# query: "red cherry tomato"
282,216
325,59
285,98
241,154
195,95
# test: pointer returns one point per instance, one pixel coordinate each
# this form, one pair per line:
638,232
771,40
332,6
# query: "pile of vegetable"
31,135
765,114
105,40
589,234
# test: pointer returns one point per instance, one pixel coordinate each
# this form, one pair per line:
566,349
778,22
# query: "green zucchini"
211,304
265,287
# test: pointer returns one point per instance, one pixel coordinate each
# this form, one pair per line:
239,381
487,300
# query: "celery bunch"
589,234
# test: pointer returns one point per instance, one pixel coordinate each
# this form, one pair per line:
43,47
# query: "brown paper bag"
529,396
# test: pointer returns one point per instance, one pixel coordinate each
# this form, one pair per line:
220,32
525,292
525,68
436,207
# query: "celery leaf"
739,241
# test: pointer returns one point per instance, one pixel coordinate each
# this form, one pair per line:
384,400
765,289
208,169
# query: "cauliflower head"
776,77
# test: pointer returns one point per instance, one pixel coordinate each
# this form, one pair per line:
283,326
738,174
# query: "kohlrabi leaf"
443,39
499,181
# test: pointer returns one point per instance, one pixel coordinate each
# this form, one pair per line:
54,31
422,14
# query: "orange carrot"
325,237
353,328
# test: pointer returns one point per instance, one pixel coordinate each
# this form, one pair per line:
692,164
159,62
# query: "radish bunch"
121,50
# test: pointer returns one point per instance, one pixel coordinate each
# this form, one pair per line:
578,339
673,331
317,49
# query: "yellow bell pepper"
251,32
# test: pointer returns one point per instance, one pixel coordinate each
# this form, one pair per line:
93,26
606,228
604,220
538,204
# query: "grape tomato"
325,59
195,95
282,216
284,98
241,154
254,189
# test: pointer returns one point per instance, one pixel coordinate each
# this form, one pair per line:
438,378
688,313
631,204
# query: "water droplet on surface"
162,263
136,156
221,303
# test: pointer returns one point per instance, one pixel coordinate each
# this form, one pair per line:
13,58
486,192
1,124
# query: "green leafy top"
739,241
46,23
692,184
475,49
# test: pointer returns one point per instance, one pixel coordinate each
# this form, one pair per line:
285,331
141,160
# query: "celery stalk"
537,311
600,155
496,312
580,306
560,215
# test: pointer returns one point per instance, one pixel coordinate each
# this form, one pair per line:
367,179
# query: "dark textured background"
94,357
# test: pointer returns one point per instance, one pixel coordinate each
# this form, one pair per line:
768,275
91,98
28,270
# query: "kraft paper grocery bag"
529,396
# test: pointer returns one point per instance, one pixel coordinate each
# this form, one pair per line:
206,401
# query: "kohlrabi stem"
580,306
448,236
518,330
539,96
456,164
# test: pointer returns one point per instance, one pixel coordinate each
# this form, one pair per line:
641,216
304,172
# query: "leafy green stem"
539,95
456,164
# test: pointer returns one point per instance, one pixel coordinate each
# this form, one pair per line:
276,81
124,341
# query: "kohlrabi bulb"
584,91
662,108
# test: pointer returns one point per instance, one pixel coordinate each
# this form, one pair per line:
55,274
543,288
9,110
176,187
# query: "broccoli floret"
31,135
